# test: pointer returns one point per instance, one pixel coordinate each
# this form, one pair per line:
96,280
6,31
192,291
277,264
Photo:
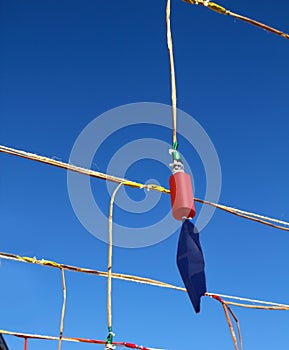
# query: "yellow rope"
172,69
265,305
109,266
244,214
220,9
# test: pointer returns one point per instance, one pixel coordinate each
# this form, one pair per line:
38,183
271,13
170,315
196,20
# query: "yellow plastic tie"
211,5
50,263
217,8
27,259
193,2
158,188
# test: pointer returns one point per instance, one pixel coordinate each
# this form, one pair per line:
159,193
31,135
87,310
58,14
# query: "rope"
246,299
25,344
244,214
264,305
217,8
249,216
63,309
238,327
78,169
230,326
172,71
109,269
74,340
226,308
239,211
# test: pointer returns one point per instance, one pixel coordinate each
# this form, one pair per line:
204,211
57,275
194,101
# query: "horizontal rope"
72,339
244,214
246,299
220,9
264,305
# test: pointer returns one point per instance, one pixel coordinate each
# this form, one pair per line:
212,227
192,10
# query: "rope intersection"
225,300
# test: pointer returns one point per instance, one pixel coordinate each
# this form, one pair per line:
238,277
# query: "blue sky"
63,64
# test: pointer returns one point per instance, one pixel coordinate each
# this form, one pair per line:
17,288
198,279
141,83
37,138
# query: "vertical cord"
25,343
63,309
226,308
238,327
173,77
230,326
109,270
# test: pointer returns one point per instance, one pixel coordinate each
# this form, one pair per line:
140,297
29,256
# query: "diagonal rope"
220,9
264,305
67,166
265,220
243,213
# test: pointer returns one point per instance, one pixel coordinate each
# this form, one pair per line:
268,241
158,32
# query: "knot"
109,339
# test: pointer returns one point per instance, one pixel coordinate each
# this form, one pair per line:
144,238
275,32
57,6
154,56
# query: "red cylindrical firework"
182,198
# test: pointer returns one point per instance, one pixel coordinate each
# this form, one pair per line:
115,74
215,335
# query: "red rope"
84,340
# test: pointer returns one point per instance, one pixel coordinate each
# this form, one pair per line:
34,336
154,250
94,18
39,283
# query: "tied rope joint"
177,164
109,339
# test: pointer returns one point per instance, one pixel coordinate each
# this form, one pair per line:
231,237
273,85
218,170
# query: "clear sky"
62,65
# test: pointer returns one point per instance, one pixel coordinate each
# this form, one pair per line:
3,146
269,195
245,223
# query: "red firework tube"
182,198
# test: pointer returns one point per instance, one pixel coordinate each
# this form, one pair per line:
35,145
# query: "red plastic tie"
218,298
